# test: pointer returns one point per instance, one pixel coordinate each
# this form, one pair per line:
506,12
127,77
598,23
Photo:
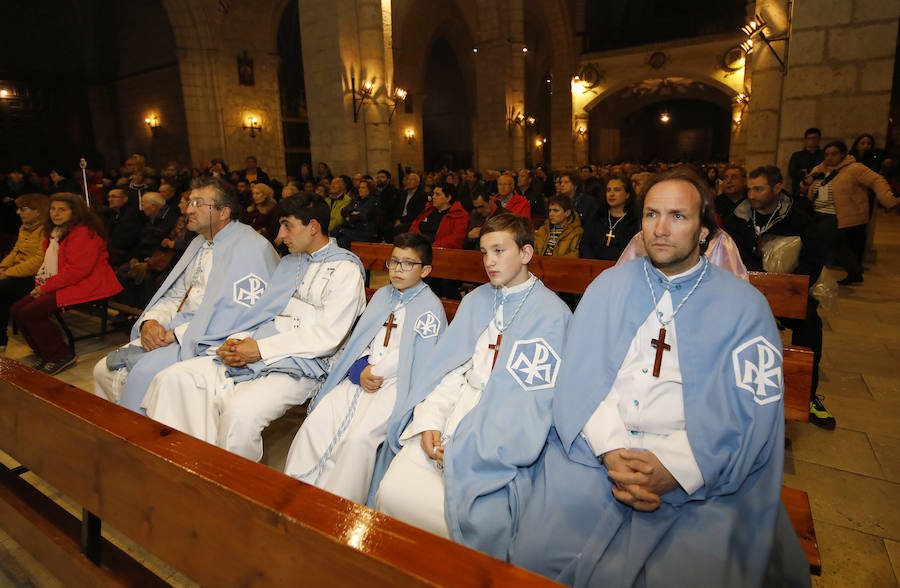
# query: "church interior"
436,89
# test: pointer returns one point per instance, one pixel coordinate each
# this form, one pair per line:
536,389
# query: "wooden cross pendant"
495,347
609,237
390,324
661,346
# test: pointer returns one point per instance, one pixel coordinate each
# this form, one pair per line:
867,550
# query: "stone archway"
625,123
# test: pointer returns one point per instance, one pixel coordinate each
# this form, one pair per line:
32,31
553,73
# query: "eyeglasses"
198,203
403,264
24,208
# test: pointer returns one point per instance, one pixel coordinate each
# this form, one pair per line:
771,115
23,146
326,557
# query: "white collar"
683,274
518,287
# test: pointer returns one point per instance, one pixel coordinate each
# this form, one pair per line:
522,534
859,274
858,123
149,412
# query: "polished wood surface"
786,293
797,367
796,503
220,519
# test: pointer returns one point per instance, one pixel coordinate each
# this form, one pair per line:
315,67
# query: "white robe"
196,397
412,489
646,412
109,383
347,472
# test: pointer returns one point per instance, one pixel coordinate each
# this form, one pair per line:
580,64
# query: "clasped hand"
431,444
370,382
154,335
639,477
239,352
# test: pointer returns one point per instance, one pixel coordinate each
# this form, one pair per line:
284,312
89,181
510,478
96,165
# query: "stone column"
347,42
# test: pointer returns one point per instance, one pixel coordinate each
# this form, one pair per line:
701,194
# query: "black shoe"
54,367
819,415
851,279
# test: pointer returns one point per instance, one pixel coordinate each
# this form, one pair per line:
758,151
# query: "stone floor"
852,474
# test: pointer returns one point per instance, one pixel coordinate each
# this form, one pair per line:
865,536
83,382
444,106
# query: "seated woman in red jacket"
444,220
75,270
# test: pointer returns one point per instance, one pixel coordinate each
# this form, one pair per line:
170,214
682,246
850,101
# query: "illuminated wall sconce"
360,98
743,99
398,98
539,142
755,29
4,93
253,126
152,123
514,118
664,116
410,135
581,131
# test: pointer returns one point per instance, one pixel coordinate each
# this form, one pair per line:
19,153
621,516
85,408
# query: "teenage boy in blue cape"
479,412
336,446
223,272
280,352
664,463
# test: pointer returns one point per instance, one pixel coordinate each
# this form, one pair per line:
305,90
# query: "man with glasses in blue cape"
664,463
280,352
223,272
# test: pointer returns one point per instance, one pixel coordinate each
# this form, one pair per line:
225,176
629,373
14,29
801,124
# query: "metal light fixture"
410,135
398,97
755,29
364,94
4,93
581,131
664,116
743,99
253,126
152,122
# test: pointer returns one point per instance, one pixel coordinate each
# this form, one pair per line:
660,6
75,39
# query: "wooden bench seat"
218,518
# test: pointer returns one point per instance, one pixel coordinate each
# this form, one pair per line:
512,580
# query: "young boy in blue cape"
336,446
479,412
664,463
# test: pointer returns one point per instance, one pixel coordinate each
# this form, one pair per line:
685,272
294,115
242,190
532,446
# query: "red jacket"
518,204
84,273
452,231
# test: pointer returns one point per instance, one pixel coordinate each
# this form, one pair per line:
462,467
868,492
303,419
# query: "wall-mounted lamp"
581,131
4,93
152,123
664,116
514,118
253,126
755,29
398,97
524,49
742,99
410,135
364,94
539,142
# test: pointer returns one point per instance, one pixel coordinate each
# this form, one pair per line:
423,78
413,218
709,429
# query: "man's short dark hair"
740,170
253,157
707,198
383,171
418,243
448,189
841,146
521,228
587,167
770,172
812,131
225,195
305,207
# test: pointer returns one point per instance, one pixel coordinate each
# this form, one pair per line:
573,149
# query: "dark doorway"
446,113
695,131
293,91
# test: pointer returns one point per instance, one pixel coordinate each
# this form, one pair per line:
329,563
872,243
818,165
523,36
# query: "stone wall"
840,60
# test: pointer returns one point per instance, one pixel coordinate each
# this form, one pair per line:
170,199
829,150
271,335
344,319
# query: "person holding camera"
838,188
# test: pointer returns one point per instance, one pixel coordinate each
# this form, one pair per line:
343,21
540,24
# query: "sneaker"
54,367
851,279
33,361
819,415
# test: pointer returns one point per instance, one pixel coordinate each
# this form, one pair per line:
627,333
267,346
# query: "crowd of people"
486,430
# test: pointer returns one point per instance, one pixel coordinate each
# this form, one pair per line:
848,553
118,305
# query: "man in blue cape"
664,463
479,412
336,446
279,352
223,272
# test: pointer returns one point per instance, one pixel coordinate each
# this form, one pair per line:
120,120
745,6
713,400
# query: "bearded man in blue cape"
664,463
224,271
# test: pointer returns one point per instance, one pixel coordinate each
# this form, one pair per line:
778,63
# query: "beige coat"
850,188
27,255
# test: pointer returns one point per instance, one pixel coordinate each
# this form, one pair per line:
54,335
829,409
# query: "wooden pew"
786,294
218,518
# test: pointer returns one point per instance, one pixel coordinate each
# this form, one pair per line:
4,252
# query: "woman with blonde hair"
264,213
